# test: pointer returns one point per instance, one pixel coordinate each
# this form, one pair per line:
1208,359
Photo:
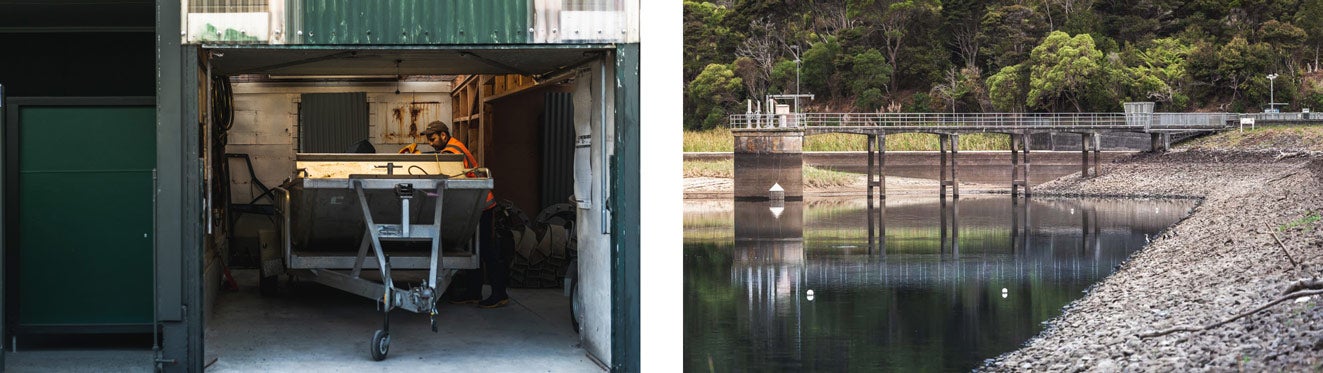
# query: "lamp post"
1272,102
796,48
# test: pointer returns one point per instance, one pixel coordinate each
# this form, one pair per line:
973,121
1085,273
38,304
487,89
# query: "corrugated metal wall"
330,122
409,22
557,149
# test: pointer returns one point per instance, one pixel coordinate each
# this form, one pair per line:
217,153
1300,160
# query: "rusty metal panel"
406,120
409,22
557,149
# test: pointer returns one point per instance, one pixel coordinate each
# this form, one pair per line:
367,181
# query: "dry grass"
716,140
720,140
836,142
813,177
823,178
1263,138
722,169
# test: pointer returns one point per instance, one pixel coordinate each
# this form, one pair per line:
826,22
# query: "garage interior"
520,126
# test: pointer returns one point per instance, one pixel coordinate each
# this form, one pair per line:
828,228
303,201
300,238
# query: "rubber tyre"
380,345
574,302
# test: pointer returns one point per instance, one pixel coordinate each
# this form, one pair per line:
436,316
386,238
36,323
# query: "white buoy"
776,192
810,294
1004,292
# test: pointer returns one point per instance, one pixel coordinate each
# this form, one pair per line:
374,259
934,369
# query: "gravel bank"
1218,262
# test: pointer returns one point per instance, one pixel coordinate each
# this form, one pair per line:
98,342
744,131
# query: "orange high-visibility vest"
456,147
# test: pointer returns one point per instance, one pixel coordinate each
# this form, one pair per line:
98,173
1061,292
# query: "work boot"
495,301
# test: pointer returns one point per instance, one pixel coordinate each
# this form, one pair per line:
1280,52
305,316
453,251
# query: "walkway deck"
1007,123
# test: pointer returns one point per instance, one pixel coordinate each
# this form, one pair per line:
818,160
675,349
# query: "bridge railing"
988,120
1260,117
1195,121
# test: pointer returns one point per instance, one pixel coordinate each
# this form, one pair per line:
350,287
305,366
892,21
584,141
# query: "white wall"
266,123
594,246
266,128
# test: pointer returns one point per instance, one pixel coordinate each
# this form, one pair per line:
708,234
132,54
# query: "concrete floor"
81,360
316,328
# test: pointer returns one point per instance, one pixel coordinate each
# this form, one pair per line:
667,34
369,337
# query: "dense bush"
1002,55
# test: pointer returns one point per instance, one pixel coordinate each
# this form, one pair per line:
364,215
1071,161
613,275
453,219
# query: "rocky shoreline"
1220,261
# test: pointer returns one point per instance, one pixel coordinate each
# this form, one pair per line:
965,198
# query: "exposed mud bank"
1220,261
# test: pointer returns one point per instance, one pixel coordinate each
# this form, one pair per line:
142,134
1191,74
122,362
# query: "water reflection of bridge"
1036,241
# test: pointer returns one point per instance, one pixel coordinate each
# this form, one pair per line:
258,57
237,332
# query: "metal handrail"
985,120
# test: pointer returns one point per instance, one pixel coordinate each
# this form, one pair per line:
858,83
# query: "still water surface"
956,284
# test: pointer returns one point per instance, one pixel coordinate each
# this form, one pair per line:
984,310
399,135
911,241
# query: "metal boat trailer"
319,217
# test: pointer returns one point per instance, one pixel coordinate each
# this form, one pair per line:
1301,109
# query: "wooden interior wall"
516,149
499,118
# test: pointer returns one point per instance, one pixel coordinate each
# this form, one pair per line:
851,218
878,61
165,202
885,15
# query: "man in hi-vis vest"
438,135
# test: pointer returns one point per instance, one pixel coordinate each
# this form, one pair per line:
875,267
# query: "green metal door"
84,217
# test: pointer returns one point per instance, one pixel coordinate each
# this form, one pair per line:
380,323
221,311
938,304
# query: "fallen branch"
1188,328
1311,284
1282,177
1283,246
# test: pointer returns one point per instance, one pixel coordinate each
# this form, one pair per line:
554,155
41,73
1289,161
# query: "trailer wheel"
574,307
574,301
380,345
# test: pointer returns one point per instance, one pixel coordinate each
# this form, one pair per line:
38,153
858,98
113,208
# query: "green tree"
1009,33
783,77
711,93
919,103
896,23
953,88
871,71
1158,72
1242,65
706,38
818,68
1061,68
1007,88
1310,19
869,100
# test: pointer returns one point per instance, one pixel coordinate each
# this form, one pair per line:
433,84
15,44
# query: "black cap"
436,127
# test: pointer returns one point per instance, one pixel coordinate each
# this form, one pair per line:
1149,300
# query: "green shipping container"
84,231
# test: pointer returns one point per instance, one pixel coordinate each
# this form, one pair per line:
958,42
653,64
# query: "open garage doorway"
293,139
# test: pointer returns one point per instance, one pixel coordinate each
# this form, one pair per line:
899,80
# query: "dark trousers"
493,263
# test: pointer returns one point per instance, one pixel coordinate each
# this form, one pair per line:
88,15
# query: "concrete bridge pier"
949,141
950,217
1020,167
1019,225
767,157
1159,141
1090,141
877,180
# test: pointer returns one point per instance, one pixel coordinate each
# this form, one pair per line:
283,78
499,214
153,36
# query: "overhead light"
331,77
